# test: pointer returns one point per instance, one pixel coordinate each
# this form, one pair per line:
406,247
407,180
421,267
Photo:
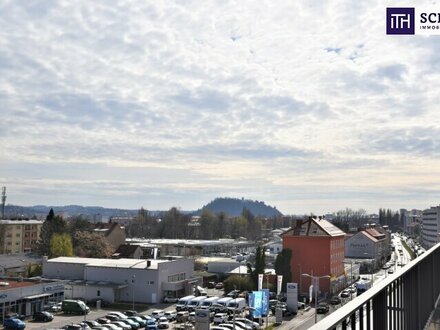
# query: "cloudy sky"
308,106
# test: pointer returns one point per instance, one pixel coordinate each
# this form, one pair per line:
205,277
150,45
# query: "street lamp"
133,277
316,287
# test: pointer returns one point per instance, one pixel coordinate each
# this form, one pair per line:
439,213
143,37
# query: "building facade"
317,250
19,236
27,296
119,280
430,226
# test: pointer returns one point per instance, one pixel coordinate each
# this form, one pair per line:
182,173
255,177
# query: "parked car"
254,325
233,294
134,325
92,324
192,317
140,320
220,318
118,314
170,315
55,308
345,294
103,320
121,325
131,313
322,308
219,286
151,325
73,327
157,314
163,323
112,317
112,326
15,324
43,316
390,271
211,285
282,306
182,316
170,300
335,300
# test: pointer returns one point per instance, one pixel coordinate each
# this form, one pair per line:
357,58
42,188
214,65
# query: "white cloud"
187,101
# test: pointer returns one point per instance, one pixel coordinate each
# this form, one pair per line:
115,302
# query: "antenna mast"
3,201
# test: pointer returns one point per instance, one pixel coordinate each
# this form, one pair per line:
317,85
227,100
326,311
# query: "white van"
237,305
183,302
195,303
223,302
206,304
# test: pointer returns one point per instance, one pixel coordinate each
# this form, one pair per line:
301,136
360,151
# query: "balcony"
404,300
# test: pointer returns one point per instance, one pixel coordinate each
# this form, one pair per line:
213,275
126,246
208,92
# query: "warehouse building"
118,280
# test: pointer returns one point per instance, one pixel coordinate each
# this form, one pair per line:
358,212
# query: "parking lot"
61,319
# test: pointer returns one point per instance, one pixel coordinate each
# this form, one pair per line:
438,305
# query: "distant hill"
234,207
41,211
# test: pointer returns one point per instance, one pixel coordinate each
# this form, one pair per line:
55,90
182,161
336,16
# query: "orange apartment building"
317,249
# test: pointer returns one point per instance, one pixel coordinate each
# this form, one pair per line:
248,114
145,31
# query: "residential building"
128,251
119,280
317,250
430,226
411,220
19,236
363,245
113,232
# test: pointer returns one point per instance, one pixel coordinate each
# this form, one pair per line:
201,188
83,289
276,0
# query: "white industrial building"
113,280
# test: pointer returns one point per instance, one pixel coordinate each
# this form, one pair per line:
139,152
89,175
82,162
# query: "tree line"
175,224
74,238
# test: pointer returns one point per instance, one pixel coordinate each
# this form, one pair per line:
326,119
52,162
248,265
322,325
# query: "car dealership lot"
62,319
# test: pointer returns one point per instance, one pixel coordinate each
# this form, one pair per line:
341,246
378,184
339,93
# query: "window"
98,293
17,235
176,277
150,282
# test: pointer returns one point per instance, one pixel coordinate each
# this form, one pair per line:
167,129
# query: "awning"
37,296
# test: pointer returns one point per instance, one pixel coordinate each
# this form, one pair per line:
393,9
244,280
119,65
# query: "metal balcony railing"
403,300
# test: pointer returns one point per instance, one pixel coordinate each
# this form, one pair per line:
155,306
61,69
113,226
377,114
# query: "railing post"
380,310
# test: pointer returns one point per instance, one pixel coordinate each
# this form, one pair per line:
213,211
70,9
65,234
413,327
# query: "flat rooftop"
111,263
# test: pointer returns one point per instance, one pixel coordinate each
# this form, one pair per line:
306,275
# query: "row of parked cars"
129,320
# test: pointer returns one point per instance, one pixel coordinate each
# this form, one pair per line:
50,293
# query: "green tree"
92,245
52,225
282,266
33,270
61,246
260,265
235,282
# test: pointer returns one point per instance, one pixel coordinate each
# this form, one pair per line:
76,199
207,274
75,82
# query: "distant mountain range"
234,207
41,211
231,206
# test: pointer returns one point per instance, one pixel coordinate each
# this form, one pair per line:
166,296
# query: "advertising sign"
292,297
256,302
260,281
265,305
279,283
